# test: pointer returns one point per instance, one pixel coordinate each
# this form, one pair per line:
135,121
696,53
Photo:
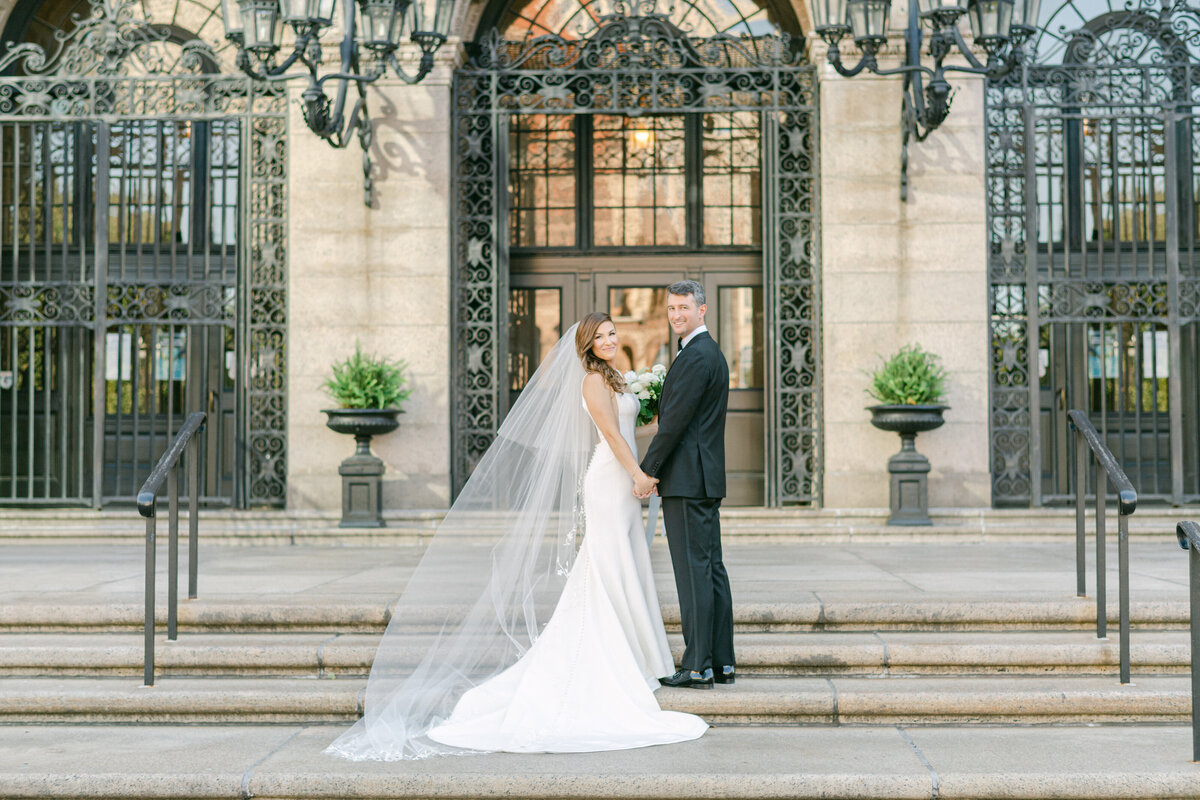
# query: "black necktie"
680,345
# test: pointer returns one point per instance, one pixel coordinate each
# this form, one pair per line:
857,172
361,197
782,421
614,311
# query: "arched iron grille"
636,62
1094,265
142,262
578,19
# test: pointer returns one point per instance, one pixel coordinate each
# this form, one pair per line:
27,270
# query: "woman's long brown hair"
585,335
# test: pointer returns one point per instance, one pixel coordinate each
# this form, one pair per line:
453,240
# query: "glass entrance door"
543,304
735,317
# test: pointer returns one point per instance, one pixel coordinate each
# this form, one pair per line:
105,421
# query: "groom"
687,457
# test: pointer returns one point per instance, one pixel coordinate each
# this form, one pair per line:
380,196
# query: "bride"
504,639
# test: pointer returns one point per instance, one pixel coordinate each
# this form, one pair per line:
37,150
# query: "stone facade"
895,273
379,276
892,273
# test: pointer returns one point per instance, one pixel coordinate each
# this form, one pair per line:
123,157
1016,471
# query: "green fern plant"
911,377
367,381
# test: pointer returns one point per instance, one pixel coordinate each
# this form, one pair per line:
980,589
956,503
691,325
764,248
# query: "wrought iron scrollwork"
111,39
114,65
1085,114
637,61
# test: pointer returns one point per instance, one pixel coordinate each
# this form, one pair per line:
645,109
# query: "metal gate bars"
1095,259
142,270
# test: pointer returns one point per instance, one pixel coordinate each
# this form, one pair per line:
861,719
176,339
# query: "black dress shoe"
724,675
689,679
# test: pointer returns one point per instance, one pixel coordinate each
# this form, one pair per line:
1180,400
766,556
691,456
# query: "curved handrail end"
1127,500
1188,532
146,503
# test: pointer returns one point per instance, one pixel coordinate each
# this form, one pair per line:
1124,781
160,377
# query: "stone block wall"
896,273
378,275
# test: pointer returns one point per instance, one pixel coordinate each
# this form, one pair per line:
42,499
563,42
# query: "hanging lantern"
830,18
383,24
990,21
231,14
260,19
869,20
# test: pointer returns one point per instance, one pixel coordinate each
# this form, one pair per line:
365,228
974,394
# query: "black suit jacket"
687,454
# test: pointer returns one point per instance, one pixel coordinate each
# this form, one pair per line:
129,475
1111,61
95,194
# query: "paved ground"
286,761
760,572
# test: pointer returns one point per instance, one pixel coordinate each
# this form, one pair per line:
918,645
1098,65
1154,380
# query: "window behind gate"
141,263
1094,265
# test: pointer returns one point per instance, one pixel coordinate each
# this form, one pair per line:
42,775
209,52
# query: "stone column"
895,273
378,275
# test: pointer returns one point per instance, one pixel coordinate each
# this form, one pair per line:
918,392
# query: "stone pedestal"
909,491
362,473
362,480
908,470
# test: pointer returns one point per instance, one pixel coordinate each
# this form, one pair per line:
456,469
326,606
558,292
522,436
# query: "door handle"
1061,393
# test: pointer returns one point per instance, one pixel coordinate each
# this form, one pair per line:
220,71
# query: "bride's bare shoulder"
594,381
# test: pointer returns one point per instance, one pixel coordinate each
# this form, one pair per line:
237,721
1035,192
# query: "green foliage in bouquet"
646,384
367,381
910,377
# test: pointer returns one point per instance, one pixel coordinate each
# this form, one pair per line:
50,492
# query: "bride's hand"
643,485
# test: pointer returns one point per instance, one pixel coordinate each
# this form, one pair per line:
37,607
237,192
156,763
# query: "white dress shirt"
702,329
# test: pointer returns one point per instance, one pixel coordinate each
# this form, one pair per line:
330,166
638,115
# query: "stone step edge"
732,535
849,785
330,658
829,706
1073,613
18,514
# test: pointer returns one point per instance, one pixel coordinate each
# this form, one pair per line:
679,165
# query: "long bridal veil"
492,573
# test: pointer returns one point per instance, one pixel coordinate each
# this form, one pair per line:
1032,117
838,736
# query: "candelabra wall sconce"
255,27
1000,27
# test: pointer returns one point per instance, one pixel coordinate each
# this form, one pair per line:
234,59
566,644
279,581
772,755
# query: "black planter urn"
908,469
362,473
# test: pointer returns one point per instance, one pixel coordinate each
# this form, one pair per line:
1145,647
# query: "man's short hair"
684,288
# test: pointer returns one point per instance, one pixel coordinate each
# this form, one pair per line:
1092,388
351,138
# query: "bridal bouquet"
647,383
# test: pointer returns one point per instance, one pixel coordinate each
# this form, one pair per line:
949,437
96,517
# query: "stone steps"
226,527
285,762
894,671
1026,700
887,653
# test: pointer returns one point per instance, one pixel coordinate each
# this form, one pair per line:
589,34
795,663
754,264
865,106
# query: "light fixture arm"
423,68
927,94
265,72
867,61
384,25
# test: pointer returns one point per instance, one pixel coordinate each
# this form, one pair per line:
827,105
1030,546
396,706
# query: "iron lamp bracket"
327,117
927,96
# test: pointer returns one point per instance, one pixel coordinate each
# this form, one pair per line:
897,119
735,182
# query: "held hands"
644,485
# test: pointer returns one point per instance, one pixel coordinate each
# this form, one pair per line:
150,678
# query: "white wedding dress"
587,683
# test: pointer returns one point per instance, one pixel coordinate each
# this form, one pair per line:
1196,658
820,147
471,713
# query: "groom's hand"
644,485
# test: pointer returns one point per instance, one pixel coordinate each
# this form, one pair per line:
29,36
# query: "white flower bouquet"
647,383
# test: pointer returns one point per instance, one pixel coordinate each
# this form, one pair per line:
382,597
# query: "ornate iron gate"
1095,260
639,63
142,266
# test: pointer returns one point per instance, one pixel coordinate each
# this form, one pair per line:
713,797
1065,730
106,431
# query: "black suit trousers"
705,604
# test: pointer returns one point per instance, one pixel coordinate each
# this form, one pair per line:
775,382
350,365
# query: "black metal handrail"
1189,539
1086,438
167,471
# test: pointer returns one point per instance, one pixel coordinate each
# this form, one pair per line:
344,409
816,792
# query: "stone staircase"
967,671
867,664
